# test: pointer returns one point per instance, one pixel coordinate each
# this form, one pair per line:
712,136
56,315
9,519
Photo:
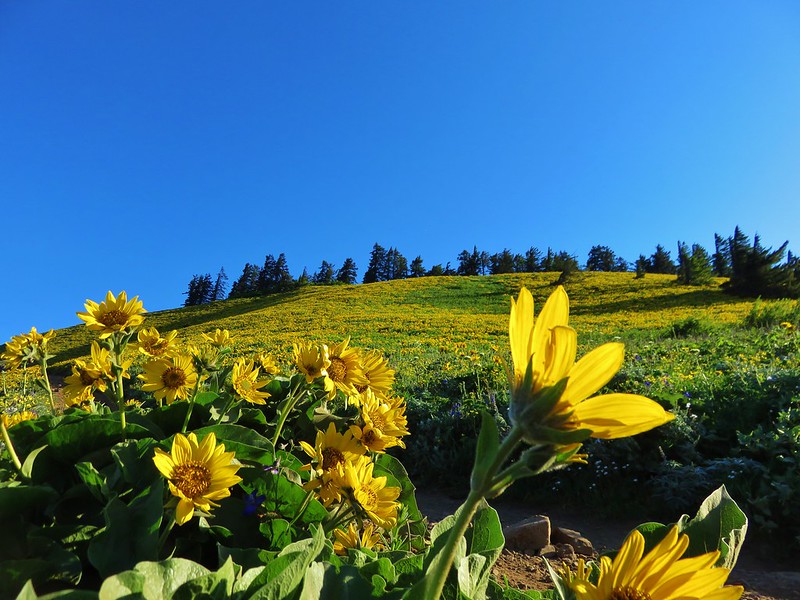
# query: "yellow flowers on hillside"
199,474
543,353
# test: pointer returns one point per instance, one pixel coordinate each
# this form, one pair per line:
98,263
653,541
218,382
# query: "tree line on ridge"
750,268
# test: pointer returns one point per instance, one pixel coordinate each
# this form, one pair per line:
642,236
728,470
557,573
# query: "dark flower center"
192,478
330,458
174,378
338,369
113,318
629,593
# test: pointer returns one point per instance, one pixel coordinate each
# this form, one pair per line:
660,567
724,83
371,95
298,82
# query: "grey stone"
529,536
581,545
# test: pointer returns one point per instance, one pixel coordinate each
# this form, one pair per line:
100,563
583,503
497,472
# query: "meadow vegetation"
727,368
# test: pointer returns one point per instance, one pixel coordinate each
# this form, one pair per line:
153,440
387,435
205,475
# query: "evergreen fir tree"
281,276
755,270
325,274
375,268
694,268
601,258
660,262
501,262
220,286
721,258
348,272
416,269
641,266
533,258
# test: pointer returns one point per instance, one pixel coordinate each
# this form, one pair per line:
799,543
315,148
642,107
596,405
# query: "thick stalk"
10,446
47,385
191,406
440,567
290,403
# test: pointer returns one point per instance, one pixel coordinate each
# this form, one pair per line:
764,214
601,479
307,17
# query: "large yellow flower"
16,351
221,338
313,362
345,369
661,574
384,423
198,474
330,451
26,348
244,379
353,538
88,376
268,363
380,378
367,493
13,419
151,343
169,378
543,354
114,314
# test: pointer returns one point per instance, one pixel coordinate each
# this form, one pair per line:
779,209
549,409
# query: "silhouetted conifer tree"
348,272
416,269
376,266
694,268
660,262
325,274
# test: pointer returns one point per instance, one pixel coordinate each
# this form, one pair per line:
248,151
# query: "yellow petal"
593,371
560,354
181,449
163,462
555,312
184,511
520,330
619,415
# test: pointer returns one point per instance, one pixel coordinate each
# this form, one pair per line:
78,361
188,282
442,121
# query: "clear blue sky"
144,142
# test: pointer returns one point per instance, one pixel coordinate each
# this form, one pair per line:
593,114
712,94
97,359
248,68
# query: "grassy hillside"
432,315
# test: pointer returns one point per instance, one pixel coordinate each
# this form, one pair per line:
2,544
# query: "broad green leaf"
29,593
20,499
27,466
153,580
45,561
74,441
128,584
218,584
283,575
94,480
313,582
131,532
719,524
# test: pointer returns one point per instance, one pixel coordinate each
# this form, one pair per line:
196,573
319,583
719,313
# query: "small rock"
565,551
548,551
528,536
561,535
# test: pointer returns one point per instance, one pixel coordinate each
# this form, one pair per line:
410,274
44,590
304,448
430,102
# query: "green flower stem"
440,567
225,409
338,518
191,405
164,534
303,507
10,446
290,403
47,385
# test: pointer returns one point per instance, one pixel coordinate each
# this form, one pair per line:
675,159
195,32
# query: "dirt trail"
761,579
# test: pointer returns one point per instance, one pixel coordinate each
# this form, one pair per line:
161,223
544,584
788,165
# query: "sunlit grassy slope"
412,318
